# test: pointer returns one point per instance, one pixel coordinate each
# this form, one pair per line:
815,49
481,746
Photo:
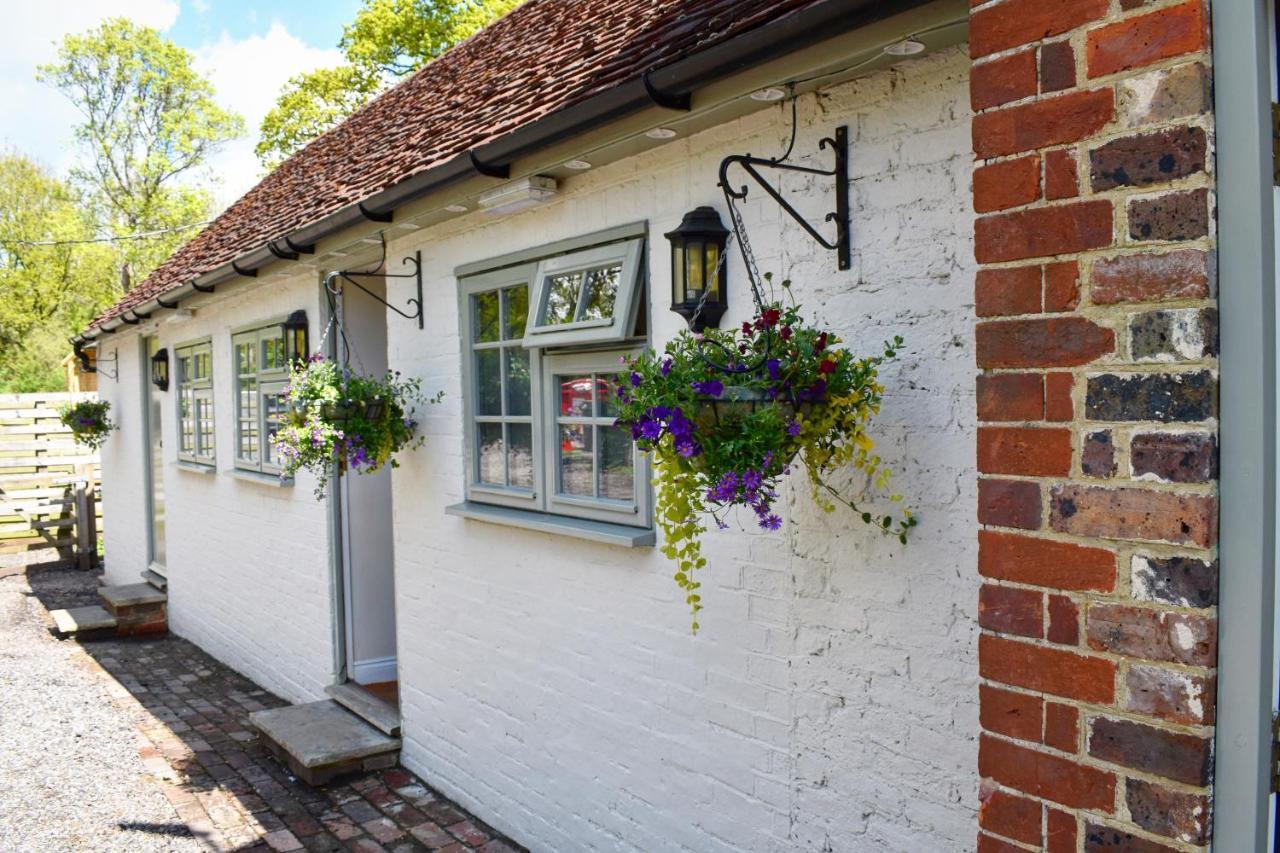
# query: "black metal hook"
839,145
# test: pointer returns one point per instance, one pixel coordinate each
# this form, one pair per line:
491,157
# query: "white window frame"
204,449
629,254
268,381
548,357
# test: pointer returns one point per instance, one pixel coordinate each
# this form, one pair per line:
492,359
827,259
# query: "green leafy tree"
150,125
388,40
51,283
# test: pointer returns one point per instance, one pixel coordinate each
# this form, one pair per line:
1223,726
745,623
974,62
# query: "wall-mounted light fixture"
160,369
294,329
519,195
699,280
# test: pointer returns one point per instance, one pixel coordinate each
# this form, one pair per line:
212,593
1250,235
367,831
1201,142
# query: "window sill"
558,525
195,467
262,478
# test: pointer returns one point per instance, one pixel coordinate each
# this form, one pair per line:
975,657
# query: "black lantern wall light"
160,369
294,330
699,281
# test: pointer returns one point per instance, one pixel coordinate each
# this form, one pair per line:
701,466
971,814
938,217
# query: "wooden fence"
48,483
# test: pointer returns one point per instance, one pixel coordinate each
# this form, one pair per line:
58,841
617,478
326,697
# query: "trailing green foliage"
338,417
88,421
726,414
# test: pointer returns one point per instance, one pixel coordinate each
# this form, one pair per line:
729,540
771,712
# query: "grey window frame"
267,381
601,346
200,389
628,254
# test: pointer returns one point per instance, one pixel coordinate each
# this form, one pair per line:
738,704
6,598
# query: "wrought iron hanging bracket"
415,303
839,145
86,367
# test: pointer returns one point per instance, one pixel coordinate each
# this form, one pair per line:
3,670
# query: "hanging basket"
343,413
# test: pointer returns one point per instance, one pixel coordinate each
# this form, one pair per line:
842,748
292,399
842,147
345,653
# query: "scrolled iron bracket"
839,145
415,260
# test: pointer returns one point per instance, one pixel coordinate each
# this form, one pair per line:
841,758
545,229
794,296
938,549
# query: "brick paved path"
196,740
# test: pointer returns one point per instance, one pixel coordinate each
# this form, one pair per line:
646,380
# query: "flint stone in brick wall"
1151,158
1182,757
1134,514
1187,334
1098,457
1153,634
1173,814
1184,581
1174,458
1104,839
1165,95
1170,217
1164,397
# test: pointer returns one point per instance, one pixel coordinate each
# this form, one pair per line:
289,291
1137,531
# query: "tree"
51,283
388,40
150,126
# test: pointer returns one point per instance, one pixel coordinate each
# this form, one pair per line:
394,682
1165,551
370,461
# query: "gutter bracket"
203,288
839,145
300,248
244,272
489,170
281,253
667,100
374,217
164,304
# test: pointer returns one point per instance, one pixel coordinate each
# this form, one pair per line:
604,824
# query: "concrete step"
156,580
319,741
383,716
84,623
139,608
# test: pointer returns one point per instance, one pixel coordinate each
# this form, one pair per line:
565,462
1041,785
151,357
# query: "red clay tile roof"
542,57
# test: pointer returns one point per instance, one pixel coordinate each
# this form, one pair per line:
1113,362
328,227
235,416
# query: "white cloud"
248,74
37,120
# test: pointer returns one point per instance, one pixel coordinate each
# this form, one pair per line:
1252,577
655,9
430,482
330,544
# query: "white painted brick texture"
829,703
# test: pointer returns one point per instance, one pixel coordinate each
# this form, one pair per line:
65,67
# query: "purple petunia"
709,387
666,367
773,366
793,428
636,379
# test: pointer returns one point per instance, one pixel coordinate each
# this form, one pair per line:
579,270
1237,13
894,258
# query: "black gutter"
794,32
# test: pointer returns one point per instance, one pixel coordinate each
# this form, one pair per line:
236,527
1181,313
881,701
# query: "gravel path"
71,778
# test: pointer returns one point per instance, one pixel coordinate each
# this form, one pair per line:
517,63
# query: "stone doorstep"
321,740
130,595
381,715
84,622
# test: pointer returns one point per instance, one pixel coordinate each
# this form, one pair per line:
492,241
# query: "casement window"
195,403
262,373
543,340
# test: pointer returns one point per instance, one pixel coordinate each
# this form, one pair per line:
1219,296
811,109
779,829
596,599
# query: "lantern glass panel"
693,253
679,293
712,276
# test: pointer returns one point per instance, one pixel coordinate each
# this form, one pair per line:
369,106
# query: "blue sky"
247,49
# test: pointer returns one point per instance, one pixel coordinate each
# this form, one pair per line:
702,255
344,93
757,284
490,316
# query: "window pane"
492,468
607,396
521,452
562,298
484,308
273,408
576,451
517,308
602,291
204,425
247,446
186,422
273,353
184,369
517,380
617,469
575,396
489,382
244,359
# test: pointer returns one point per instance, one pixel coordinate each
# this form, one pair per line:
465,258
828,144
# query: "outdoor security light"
160,369
295,337
699,280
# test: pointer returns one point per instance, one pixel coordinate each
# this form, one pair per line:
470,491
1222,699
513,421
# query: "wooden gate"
48,483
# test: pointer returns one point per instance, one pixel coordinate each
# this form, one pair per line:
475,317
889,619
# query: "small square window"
589,296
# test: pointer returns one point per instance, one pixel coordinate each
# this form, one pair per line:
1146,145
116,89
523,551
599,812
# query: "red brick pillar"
1097,448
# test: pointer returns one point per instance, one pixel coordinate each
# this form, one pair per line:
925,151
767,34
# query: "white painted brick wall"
552,686
248,563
